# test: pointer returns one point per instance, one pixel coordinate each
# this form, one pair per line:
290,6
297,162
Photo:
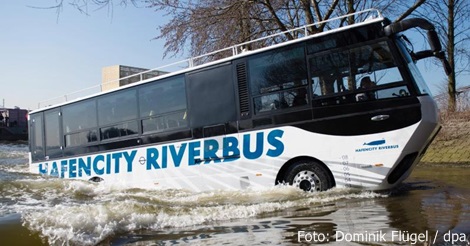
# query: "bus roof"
373,16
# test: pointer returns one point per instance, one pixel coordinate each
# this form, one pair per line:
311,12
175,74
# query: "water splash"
83,213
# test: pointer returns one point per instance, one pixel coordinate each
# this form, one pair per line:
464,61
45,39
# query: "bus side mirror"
436,48
433,40
428,53
422,54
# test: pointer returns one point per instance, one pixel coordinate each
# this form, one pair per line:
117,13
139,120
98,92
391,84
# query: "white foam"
12,151
84,213
14,158
119,211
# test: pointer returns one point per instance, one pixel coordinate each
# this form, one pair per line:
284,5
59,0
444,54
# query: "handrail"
190,62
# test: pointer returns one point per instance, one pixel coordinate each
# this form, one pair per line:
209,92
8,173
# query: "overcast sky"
44,55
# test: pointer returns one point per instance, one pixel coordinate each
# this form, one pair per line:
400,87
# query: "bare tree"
204,26
84,6
389,8
451,20
200,27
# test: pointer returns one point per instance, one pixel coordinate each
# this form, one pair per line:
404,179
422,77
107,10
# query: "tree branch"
410,10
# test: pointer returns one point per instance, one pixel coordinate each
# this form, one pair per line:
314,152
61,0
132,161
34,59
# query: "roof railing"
301,32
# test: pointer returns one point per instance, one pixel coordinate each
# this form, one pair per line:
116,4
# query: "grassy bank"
452,144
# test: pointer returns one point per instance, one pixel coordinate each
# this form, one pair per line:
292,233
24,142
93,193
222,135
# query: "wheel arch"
282,172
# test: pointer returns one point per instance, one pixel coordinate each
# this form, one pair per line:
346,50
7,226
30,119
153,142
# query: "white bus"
346,107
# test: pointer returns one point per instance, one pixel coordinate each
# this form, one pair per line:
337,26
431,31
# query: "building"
13,124
119,75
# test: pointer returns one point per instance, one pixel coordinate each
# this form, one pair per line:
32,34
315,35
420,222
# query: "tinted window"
345,38
120,130
79,116
117,107
165,122
277,70
52,130
37,143
285,99
415,74
79,123
81,138
212,96
162,97
278,79
358,70
331,73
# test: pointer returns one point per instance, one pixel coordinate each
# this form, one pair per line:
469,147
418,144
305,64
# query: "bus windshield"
423,89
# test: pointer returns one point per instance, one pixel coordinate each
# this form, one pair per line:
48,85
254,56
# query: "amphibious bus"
346,107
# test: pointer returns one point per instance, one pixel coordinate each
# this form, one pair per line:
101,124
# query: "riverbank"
452,144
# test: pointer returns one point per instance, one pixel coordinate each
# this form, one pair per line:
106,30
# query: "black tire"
309,176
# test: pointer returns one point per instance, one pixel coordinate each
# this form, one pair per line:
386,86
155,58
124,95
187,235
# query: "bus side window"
278,79
79,120
163,105
37,137
334,74
327,85
52,133
208,93
330,73
296,97
267,103
117,107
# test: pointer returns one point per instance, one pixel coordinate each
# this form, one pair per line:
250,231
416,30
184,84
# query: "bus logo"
376,145
376,142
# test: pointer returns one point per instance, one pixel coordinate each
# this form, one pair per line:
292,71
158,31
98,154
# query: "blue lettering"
130,159
258,147
274,140
116,157
164,156
96,169
193,152
72,168
108,163
211,146
230,150
253,148
84,166
43,168
152,156
63,168
54,170
177,156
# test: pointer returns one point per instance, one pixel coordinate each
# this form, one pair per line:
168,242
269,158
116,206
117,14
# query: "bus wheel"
308,176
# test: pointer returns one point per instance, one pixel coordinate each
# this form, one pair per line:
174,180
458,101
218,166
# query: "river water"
432,207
